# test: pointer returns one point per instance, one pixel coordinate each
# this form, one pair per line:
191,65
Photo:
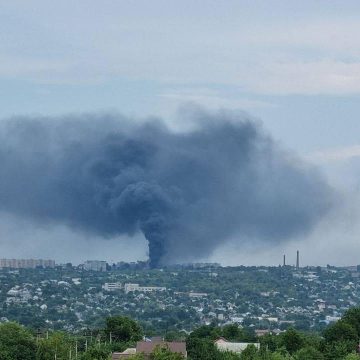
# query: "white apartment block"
26,263
136,287
112,286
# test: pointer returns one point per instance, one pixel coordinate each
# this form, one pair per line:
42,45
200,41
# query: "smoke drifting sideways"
187,192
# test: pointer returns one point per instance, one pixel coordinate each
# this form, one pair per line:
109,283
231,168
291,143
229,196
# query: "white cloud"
335,155
312,77
314,54
212,99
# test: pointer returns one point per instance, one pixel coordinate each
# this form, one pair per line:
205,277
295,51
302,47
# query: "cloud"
211,99
335,155
313,54
307,77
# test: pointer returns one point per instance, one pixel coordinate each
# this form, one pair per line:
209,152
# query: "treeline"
339,341
20,343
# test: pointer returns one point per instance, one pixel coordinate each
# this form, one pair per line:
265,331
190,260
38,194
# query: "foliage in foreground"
339,341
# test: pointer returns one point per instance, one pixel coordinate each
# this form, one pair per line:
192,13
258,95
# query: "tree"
201,349
175,336
351,356
269,341
96,353
352,317
232,332
136,357
206,332
279,356
58,344
16,343
163,353
341,339
228,355
309,353
340,331
250,353
292,340
123,329
336,351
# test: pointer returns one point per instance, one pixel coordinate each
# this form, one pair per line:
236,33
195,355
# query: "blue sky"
293,64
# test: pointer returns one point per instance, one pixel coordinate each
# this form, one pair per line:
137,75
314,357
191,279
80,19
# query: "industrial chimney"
297,260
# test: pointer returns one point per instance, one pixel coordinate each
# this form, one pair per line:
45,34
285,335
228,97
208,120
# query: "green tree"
250,353
228,355
207,332
136,357
337,351
340,331
352,356
163,353
123,329
292,340
96,353
342,337
16,343
59,344
279,356
201,349
309,353
269,341
352,317
175,336
232,332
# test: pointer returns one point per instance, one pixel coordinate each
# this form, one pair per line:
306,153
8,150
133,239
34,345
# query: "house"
147,347
261,332
124,355
236,347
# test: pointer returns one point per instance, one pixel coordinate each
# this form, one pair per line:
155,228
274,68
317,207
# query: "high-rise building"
26,263
95,265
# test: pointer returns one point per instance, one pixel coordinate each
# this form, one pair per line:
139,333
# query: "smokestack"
297,260
284,262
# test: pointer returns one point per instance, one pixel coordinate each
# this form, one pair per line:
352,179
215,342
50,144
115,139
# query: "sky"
294,66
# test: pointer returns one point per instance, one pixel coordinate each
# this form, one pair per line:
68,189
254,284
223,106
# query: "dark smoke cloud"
186,191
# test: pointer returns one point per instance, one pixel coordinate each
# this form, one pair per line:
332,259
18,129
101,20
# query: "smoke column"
187,192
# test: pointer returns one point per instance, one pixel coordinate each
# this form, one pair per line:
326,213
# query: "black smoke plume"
187,191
